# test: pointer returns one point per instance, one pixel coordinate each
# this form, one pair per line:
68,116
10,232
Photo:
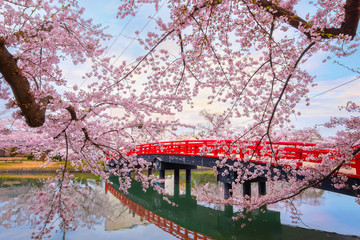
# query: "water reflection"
136,215
32,202
193,221
95,215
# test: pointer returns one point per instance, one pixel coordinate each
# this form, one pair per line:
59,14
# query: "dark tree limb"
348,27
33,111
72,112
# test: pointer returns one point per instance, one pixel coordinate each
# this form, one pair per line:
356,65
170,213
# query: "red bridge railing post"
357,164
299,161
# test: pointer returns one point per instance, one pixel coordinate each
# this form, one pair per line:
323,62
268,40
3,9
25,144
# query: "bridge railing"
284,153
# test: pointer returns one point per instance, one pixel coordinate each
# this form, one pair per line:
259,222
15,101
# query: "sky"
326,97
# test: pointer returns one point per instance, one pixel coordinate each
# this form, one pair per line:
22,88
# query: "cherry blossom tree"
247,55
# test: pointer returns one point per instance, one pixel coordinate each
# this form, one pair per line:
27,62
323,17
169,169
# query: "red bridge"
192,153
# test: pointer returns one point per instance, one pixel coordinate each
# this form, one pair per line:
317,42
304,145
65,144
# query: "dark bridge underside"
168,162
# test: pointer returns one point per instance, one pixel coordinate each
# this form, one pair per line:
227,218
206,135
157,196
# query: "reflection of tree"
84,204
12,188
311,196
213,192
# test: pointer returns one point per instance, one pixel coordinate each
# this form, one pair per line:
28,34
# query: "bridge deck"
209,153
294,154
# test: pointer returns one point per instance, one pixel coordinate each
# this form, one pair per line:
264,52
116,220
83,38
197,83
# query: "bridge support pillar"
227,190
176,176
188,175
162,177
162,174
188,182
247,188
262,187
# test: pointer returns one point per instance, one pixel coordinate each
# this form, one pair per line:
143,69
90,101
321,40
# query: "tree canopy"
246,54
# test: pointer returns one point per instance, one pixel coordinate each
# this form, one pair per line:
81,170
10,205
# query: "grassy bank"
31,167
37,169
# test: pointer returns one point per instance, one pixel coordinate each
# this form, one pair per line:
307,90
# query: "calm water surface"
107,214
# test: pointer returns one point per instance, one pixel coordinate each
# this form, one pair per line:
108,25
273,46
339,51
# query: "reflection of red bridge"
292,153
163,223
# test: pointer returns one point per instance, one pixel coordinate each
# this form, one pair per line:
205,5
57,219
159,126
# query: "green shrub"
13,152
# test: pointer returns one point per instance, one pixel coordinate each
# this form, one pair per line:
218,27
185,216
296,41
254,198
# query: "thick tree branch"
33,112
348,27
72,112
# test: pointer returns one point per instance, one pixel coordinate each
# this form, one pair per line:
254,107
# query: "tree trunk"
33,112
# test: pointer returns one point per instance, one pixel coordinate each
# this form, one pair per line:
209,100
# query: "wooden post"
176,176
188,175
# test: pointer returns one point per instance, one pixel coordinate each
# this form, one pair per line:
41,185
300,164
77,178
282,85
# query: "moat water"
105,213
